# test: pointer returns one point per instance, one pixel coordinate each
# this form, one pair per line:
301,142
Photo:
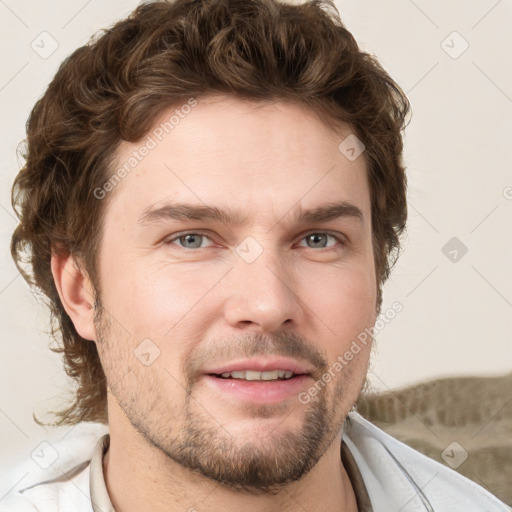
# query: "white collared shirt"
396,477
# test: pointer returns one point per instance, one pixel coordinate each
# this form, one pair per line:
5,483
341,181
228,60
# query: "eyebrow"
186,211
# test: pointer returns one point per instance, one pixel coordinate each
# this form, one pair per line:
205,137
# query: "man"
212,198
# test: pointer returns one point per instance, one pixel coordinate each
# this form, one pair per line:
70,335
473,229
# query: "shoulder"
56,475
398,477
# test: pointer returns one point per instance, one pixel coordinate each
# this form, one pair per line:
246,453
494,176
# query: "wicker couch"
465,423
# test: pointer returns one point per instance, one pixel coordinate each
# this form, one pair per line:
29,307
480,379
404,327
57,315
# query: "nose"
261,295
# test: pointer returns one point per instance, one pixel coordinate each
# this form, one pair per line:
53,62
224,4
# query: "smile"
256,375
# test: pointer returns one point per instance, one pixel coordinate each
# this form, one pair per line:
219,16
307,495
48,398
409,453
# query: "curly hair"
113,88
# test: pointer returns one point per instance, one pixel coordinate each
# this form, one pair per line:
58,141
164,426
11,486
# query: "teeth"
255,375
251,375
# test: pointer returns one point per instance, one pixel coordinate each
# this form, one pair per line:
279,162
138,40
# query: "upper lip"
261,364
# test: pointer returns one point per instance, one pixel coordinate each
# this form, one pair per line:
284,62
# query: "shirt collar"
99,496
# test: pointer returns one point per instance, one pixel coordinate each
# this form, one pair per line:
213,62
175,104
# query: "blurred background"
453,280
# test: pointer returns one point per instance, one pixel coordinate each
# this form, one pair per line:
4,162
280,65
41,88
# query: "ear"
76,293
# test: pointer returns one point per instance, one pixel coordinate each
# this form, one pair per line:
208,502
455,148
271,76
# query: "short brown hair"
165,52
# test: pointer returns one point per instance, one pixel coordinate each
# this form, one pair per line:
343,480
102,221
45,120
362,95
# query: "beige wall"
457,315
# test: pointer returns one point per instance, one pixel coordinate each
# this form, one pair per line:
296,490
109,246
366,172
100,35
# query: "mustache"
284,344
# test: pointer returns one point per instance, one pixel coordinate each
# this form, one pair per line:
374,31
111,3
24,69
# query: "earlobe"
76,293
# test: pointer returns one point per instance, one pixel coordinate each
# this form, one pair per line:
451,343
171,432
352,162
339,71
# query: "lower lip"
259,391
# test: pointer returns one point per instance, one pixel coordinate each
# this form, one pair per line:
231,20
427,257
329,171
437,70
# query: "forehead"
266,157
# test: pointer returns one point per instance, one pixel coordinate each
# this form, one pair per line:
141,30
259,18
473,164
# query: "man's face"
189,299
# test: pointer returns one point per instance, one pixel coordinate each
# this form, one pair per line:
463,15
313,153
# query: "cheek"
166,304
346,309
155,295
343,298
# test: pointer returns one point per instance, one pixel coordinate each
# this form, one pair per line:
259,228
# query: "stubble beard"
201,445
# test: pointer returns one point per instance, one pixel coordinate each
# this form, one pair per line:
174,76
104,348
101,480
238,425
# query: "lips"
259,380
260,369
257,375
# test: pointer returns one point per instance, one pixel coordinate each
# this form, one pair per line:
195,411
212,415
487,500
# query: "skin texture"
177,441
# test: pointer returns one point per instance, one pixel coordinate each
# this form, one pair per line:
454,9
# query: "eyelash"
338,238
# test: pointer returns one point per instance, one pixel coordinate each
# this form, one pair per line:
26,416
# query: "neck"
139,476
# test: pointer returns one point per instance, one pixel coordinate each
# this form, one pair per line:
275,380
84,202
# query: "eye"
319,240
314,240
189,240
